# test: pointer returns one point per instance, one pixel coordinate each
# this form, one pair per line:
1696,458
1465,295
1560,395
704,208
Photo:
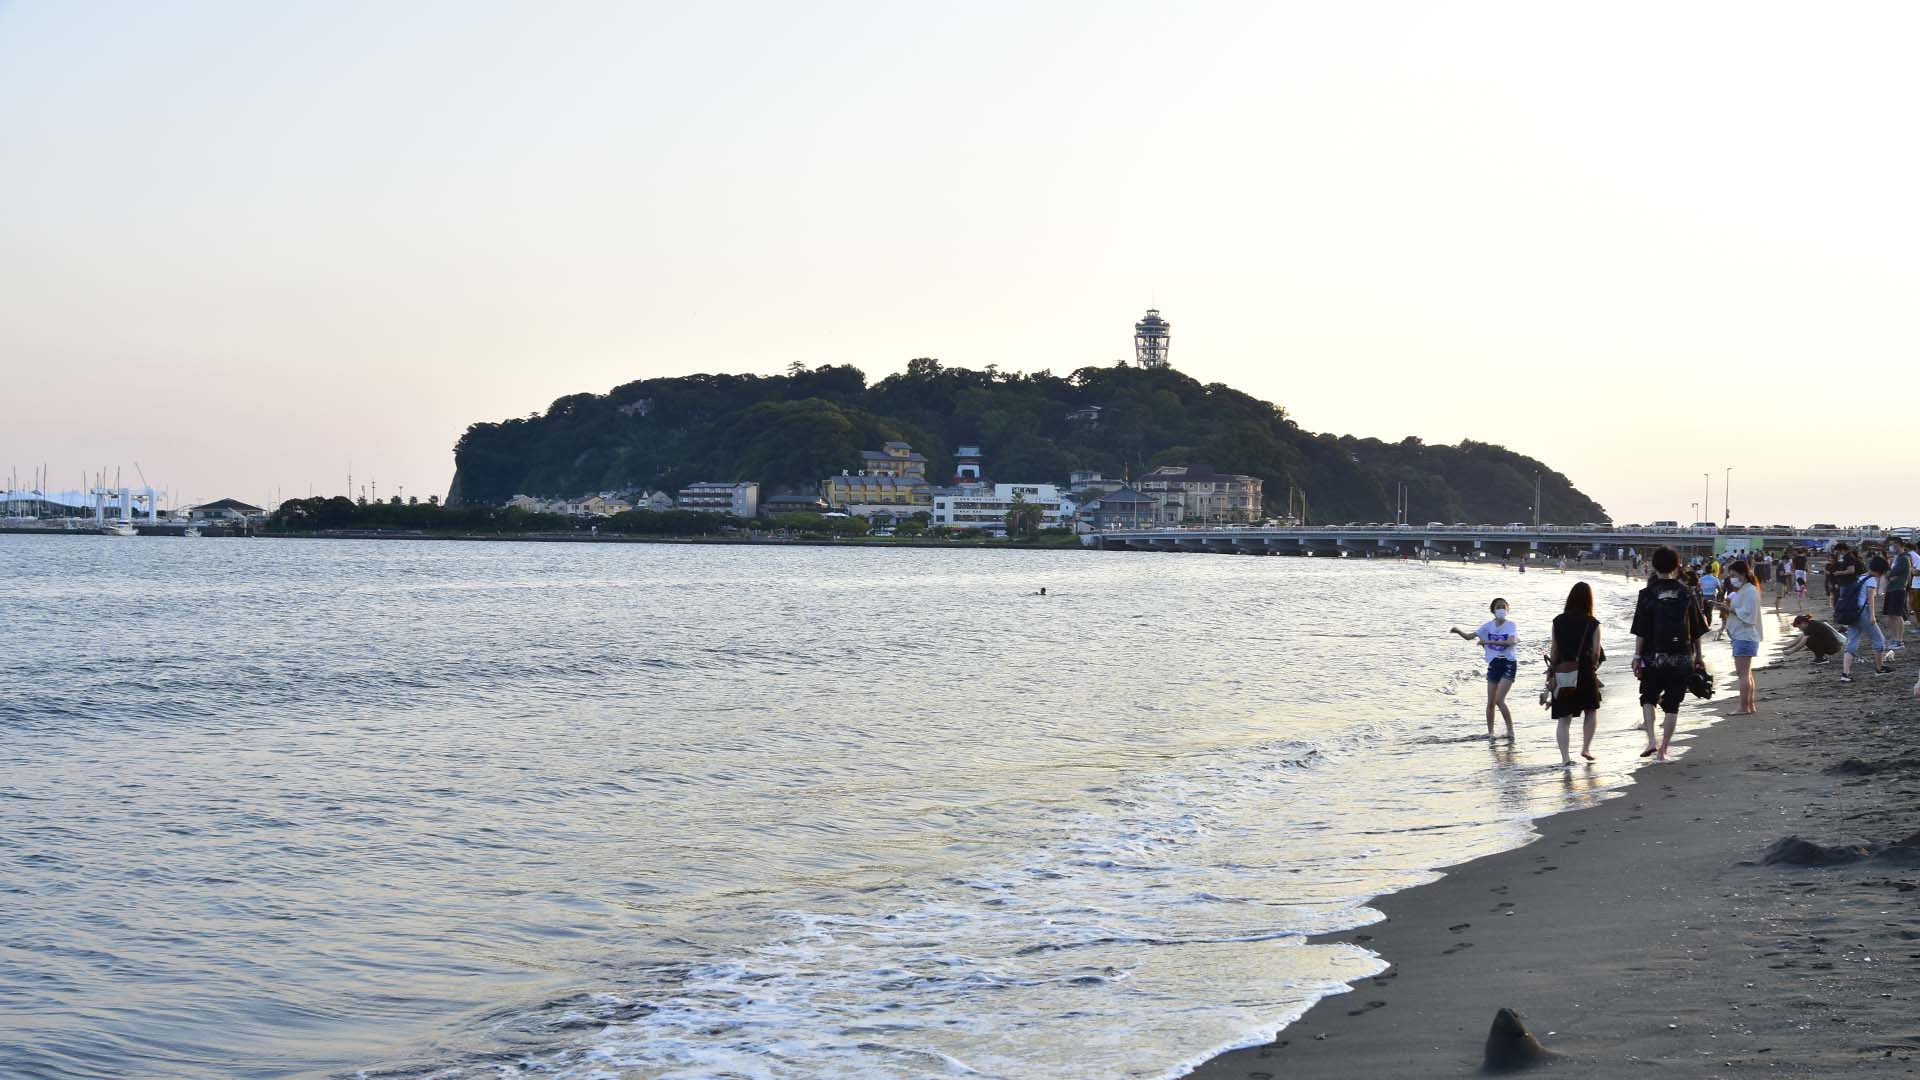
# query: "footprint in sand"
1544,869
1457,946
1457,927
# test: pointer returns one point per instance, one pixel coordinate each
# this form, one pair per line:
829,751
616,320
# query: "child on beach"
1667,628
1501,640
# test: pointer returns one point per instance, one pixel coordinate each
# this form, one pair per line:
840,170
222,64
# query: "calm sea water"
384,810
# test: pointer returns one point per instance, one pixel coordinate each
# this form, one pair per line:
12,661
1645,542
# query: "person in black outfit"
1667,627
1576,641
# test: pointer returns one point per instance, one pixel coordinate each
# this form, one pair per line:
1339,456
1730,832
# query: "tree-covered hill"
790,431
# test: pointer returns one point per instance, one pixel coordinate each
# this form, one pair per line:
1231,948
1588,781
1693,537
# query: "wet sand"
1649,935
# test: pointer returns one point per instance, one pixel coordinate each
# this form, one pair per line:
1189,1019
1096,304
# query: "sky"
255,246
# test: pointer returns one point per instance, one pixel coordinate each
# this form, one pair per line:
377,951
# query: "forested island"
789,431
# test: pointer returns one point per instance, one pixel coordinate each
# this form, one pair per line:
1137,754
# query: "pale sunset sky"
249,243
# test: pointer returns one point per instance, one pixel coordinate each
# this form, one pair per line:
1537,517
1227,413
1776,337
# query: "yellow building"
848,492
890,478
894,459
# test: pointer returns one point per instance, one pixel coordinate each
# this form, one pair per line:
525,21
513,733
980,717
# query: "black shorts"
1665,684
1896,605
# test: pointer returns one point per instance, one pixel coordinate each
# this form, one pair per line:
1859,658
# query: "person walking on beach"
1843,568
1900,578
1501,640
1572,676
1740,613
1709,590
1667,628
1853,608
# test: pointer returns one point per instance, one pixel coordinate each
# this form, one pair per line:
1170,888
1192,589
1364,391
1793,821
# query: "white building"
986,507
741,499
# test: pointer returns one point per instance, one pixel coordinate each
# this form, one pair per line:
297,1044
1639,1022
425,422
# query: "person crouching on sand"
1740,612
1667,628
1501,640
1576,642
1817,639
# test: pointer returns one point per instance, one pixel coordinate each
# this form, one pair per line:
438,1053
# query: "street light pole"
1706,496
1726,497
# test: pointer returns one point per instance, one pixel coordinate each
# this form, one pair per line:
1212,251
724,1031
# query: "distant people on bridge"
1500,639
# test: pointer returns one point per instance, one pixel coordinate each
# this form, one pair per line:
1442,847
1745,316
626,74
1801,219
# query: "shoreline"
1647,931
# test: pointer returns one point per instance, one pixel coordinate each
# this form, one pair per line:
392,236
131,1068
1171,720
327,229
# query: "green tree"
1023,520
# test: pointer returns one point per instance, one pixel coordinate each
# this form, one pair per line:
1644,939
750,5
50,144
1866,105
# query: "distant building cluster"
890,486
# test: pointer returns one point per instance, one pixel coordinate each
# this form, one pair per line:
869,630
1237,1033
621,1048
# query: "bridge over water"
1493,541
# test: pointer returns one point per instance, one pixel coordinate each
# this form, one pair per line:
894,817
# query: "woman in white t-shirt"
1740,618
1501,640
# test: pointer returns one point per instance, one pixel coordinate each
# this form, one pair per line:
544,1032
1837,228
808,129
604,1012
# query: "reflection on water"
464,810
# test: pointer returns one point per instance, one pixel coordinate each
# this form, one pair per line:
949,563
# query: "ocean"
305,809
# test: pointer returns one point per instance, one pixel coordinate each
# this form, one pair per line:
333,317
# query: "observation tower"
1150,336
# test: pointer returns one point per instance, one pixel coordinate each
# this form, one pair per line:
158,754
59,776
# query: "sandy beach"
1669,931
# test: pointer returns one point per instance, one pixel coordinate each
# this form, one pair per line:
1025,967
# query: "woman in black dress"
1577,650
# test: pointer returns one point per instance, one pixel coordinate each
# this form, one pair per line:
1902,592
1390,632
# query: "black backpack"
1672,633
1850,602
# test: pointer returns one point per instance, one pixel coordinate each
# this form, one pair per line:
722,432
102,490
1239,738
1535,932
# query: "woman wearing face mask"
1740,615
1501,640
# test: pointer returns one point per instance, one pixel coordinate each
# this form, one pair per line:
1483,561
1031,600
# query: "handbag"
1565,675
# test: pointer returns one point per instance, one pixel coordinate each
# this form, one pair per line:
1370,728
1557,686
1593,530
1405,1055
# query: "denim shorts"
1502,670
1745,648
1865,630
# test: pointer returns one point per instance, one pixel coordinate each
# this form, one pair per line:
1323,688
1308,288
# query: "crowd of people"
1871,592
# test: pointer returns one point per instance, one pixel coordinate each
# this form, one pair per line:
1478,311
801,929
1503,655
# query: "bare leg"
1560,737
1492,699
1500,699
1743,677
1588,726
1646,724
1666,733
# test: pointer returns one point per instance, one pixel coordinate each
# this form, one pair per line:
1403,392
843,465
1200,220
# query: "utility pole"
1726,497
1536,499
1706,497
